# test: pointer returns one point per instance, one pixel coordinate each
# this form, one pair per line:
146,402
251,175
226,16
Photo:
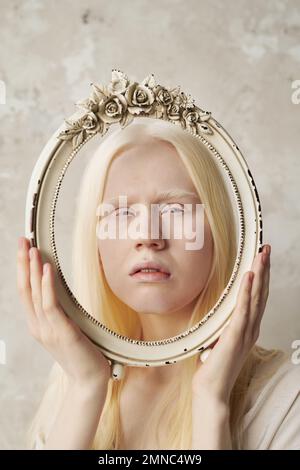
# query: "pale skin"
89,373
143,173
88,370
215,378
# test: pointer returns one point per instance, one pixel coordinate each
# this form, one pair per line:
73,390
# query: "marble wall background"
237,58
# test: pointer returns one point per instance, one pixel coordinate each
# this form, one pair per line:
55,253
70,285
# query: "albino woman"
242,397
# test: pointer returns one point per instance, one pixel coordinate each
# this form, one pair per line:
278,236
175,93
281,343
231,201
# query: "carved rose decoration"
122,100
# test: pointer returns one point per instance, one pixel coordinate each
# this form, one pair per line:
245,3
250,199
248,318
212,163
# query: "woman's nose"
150,233
157,244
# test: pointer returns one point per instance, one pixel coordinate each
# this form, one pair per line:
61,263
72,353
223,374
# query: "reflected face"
141,173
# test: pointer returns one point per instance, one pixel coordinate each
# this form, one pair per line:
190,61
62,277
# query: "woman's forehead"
146,166
150,148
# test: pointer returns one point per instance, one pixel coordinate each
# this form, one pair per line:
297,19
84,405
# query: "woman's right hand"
82,361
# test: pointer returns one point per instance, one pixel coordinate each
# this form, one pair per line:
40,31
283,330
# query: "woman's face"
140,173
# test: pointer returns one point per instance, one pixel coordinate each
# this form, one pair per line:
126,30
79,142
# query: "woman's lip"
151,276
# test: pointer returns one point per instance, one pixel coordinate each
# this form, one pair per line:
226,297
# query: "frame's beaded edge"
226,290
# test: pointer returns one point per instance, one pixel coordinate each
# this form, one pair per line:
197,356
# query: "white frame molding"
119,103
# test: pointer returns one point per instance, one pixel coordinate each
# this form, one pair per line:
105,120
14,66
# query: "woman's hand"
219,372
82,361
214,379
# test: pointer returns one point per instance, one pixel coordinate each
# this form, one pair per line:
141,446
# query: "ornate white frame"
120,102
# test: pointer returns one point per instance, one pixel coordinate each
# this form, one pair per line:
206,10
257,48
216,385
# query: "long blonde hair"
93,292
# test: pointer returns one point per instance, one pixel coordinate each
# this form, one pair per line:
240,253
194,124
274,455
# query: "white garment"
273,417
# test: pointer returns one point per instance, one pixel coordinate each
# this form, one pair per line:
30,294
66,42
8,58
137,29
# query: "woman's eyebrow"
175,193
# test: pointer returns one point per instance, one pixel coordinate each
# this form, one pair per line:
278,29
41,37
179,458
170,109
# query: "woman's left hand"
214,379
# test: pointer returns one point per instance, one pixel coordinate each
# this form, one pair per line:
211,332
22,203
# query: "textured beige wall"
237,58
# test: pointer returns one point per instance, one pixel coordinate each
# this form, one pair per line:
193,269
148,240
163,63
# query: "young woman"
242,397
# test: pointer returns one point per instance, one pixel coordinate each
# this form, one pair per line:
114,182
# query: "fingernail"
264,258
31,253
45,268
267,249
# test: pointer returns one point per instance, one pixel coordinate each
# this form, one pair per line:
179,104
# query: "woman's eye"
173,207
124,210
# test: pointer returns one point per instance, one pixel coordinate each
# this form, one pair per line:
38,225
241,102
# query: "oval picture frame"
120,102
